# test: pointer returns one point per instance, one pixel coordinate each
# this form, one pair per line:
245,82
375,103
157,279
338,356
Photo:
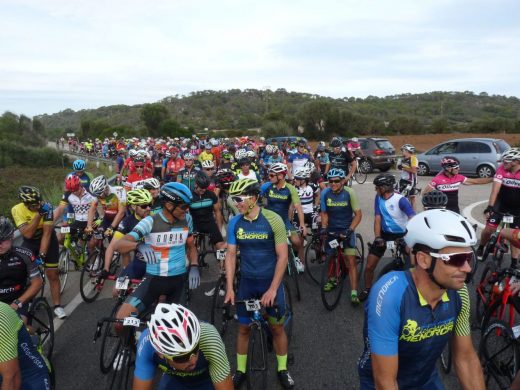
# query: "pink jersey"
444,183
509,193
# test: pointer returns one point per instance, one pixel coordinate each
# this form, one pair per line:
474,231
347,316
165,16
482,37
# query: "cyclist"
20,278
309,194
163,240
410,315
354,147
449,181
245,170
392,211
340,213
21,366
187,174
79,167
172,164
280,196
206,154
321,158
113,202
408,167
34,220
299,159
153,186
190,353
139,175
340,159
260,235
504,197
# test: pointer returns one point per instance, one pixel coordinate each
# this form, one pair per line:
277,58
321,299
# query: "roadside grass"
48,180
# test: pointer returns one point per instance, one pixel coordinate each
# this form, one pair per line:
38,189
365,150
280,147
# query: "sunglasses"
507,161
454,259
145,206
453,166
183,358
335,181
183,206
273,175
209,169
139,167
240,199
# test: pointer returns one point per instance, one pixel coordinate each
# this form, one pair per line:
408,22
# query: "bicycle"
40,321
400,259
360,175
292,271
89,286
497,246
335,269
261,339
315,256
71,251
203,245
499,354
221,313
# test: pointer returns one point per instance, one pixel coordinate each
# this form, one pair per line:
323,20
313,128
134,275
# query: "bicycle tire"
485,287
257,359
314,260
89,277
360,258
220,312
63,268
491,310
332,266
502,367
108,353
445,358
293,273
120,378
115,263
360,177
289,313
41,321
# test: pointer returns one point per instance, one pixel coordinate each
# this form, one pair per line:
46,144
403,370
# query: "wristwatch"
18,303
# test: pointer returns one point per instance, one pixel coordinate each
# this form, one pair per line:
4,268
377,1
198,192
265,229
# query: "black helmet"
28,194
434,200
384,180
335,143
202,180
6,228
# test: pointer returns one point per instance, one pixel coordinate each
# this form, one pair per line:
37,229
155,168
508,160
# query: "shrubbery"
12,153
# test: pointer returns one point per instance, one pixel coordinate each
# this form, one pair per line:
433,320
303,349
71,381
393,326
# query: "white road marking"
467,213
71,306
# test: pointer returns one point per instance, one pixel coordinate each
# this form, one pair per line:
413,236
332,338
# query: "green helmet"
139,197
244,186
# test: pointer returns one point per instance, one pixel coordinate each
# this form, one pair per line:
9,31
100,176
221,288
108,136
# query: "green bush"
12,153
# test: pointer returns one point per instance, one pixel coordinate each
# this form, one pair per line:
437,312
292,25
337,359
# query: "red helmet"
449,162
72,183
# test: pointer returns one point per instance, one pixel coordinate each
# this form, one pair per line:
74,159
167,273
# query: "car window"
446,148
384,144
472,147
364,144
501,145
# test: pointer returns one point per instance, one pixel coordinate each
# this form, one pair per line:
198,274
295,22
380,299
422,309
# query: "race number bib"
390,245
131,321
334,244
65,229
122,283
253,305
508,219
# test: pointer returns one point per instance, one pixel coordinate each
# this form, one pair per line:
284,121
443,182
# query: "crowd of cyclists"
257,201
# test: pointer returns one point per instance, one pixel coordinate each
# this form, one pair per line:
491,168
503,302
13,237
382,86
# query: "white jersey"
306,194
80,205
250,175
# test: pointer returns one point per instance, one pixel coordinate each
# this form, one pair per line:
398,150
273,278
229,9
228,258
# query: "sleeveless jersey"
394,213
339,207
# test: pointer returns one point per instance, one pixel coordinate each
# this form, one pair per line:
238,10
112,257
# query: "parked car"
379,153
280,140
477,156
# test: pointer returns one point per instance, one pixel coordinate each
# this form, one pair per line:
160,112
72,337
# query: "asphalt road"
325,345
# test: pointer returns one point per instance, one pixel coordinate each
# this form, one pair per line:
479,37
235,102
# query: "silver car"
477,156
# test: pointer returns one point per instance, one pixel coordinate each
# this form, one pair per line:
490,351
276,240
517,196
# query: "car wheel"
423,169
485,171
366,166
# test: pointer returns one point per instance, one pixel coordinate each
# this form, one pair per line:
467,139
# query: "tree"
152,115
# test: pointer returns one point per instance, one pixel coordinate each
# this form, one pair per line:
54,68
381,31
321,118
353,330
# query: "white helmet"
309,165
174,330
511,154
214,142
152,183
251,153
438,229
269,149
302,173
208,164
132,153
408,148
354,139
240,154
188,156
141,152
98,185
278,168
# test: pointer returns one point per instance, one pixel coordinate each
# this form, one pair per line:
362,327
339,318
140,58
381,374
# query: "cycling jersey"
410,162
15,343
168,241
206,156
279,199
323,159
201,208
23,216
340,160
188,177
17,266
298,160
80,205
394,213
251,175
85,178
135,180
306,193
257,240
212,363
274,159
339,207
111,202
399,321
173,166
507,198
450,186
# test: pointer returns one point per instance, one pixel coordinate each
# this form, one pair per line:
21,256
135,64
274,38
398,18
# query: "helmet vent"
454,238
426,222
465,224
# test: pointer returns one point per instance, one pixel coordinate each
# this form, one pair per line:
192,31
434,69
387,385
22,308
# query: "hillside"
283,111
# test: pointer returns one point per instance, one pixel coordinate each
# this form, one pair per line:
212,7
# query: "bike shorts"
254,289
152,287
211,228
136,269
379,251
53,251
496,217
171,382
307,219
349,245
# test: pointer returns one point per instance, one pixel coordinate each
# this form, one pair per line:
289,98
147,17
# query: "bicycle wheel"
220,312
293,273
110,344
314,260
445,358
484,291
120,378
41,321
115,263
499,354
332,281
63,268
89,276
360,176
289,313
360,257
257,359
496,310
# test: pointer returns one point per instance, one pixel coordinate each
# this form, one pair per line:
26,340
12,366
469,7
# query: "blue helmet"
335,172
79,165
176,193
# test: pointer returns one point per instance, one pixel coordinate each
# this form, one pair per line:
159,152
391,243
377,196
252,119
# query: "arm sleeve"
295,198
264,188
353,199
10,324
213,348
377,210
231,237
278,226
32,268
462,327
406,207
144,364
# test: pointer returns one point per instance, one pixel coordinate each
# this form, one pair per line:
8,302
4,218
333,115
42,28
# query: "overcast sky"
58,54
